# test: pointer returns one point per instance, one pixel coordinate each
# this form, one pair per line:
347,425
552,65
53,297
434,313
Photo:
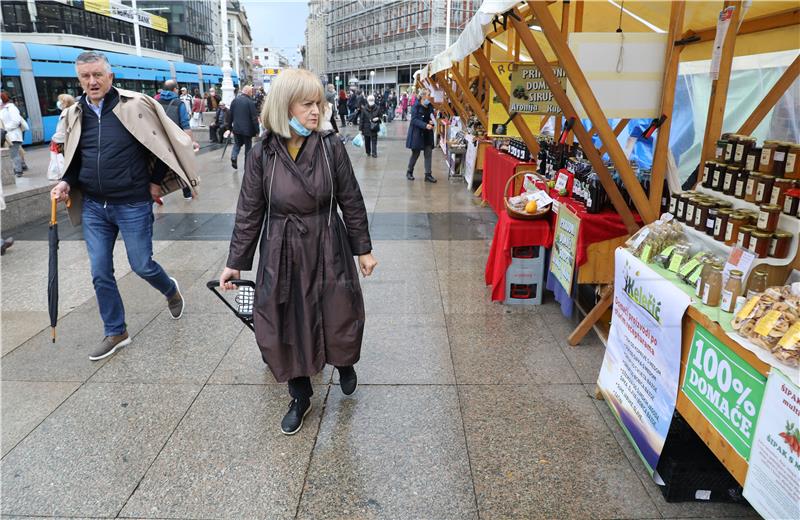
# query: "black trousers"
371,144
344,119
300,387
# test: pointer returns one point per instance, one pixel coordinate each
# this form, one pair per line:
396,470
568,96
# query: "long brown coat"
309,310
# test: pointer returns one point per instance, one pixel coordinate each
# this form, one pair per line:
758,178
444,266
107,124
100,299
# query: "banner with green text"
641,368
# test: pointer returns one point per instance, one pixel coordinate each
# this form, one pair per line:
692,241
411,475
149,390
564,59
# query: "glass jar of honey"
701,214
719,151
735,222
764,188
779,158
718,176
691,206
741,184
779,189
752,159
750,190
766,162
759,243
729,182
768,216
733,289
730,148
708,172
745,233
791,204
792,170
780,244
712,286
721,224
743,147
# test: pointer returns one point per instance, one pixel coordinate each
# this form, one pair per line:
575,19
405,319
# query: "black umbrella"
52,271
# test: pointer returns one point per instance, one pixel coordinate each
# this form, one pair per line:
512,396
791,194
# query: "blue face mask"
426,102
298,128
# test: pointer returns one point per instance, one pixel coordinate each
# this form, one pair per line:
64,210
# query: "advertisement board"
500,125
641,368
565,242
120,11
530,93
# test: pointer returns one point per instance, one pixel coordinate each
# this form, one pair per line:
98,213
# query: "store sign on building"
641,368
530,93
725,388
121,11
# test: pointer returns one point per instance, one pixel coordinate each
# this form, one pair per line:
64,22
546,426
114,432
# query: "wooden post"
578,16
592,107
589,150
444,84
672,60
606,298
778,89
471,101
777,20
499,89
719,87
565,33
617,130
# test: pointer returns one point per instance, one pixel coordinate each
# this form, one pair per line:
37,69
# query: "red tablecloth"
510,232
497,168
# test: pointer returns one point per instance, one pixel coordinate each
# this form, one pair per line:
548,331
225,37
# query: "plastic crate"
691,472
525,276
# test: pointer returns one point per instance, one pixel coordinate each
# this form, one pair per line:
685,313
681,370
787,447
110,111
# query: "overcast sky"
278,24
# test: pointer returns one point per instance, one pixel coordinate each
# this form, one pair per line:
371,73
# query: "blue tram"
34,75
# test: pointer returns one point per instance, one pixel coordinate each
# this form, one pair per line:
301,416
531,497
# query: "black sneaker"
293,420
429,178
234,164
348,380
409,176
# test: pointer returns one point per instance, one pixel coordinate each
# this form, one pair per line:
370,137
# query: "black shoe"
429,178
293,420
409,176
348,380
6,243
375,155
233,163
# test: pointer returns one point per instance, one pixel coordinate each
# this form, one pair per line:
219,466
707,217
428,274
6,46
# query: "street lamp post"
336,80
227,81
372,77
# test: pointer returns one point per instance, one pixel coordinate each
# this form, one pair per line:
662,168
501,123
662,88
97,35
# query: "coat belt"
293,229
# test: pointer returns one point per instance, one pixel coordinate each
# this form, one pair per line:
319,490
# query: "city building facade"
193,26
315,57
377,44
240,41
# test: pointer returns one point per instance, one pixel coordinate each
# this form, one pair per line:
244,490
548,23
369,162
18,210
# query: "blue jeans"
238,141
101,225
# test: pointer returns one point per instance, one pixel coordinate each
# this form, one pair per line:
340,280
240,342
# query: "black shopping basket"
242,298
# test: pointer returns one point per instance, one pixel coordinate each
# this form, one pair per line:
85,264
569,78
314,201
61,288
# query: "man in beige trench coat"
121,153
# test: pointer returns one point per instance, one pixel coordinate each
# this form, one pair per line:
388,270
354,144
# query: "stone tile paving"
466,409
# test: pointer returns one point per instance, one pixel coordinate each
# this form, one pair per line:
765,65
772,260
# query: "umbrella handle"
53,210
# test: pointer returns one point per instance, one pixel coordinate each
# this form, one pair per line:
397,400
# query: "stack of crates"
525,276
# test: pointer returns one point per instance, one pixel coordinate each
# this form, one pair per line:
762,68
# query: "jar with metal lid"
735,222
766,162
779,158
768,216
700,284
792,170
691,206
718,176
729,181
759,243
673,203
743,240
712,286
701,214
711,221
764,188
779,189
750,190
721,223
708,172
743,147
753,158
719,151
756,284
680,212
732,290
779,244
791,204
741,184
730,148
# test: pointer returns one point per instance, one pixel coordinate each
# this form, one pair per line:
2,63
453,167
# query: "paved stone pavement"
466,409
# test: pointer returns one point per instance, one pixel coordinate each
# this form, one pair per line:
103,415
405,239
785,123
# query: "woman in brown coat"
309,310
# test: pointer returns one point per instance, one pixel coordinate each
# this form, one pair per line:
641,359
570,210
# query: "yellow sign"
98,6
120,11
500,124
272,72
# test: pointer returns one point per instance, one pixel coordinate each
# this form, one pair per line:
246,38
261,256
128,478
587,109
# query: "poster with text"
530,93
565,246
772,485
500,124
641,367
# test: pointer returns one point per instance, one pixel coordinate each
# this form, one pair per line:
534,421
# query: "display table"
498,167
510,232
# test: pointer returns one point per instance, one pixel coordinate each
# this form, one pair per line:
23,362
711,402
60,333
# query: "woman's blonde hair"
291,86
66,100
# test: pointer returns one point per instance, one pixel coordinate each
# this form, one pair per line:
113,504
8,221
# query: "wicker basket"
521,215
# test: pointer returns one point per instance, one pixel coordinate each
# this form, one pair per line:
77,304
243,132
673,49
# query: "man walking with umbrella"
112,184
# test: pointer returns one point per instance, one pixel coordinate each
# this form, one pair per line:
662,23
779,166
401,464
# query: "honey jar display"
768,216
766,163
743,147
721,224
745,233
741,184
729,180
759,243
752,160
792,170
779,158
750,190
779,244
736,220
764,188
791,204
779,189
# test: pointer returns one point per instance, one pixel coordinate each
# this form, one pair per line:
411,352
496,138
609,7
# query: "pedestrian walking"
309,310
56,166
213,100
113,192
420,135
176,111
198,107
330,94
342,107
15,126
392,106
371,114
353,107
243,121
404,106
186,99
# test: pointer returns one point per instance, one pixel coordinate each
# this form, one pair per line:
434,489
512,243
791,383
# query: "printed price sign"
562,261
725,389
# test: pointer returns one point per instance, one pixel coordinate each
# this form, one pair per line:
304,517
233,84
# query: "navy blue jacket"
243,116
166,98
111,165
419,137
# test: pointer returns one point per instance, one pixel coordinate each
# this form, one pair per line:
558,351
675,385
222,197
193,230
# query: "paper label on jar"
716,178
739,153
790,159
697,285
717,226
760,191
787,205
779,156
719,152
792,336
727,184
706,292
698,217
765,154
748,307
729,231
705,175
690,214
773,246
728,151
776,194
750,185
739,189
688,266
672,205
763,220
675,263
711,223
751,162
767,322
727,296
752,245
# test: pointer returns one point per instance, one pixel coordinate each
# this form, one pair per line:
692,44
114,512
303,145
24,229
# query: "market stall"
702,286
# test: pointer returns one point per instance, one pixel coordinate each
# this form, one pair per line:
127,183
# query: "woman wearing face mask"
309,310
420,135
57,141
371,114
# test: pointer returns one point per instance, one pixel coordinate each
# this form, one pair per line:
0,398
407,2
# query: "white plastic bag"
55,166
382,131
358,140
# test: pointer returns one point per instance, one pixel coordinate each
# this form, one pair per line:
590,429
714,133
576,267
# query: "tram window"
13,87
49,90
